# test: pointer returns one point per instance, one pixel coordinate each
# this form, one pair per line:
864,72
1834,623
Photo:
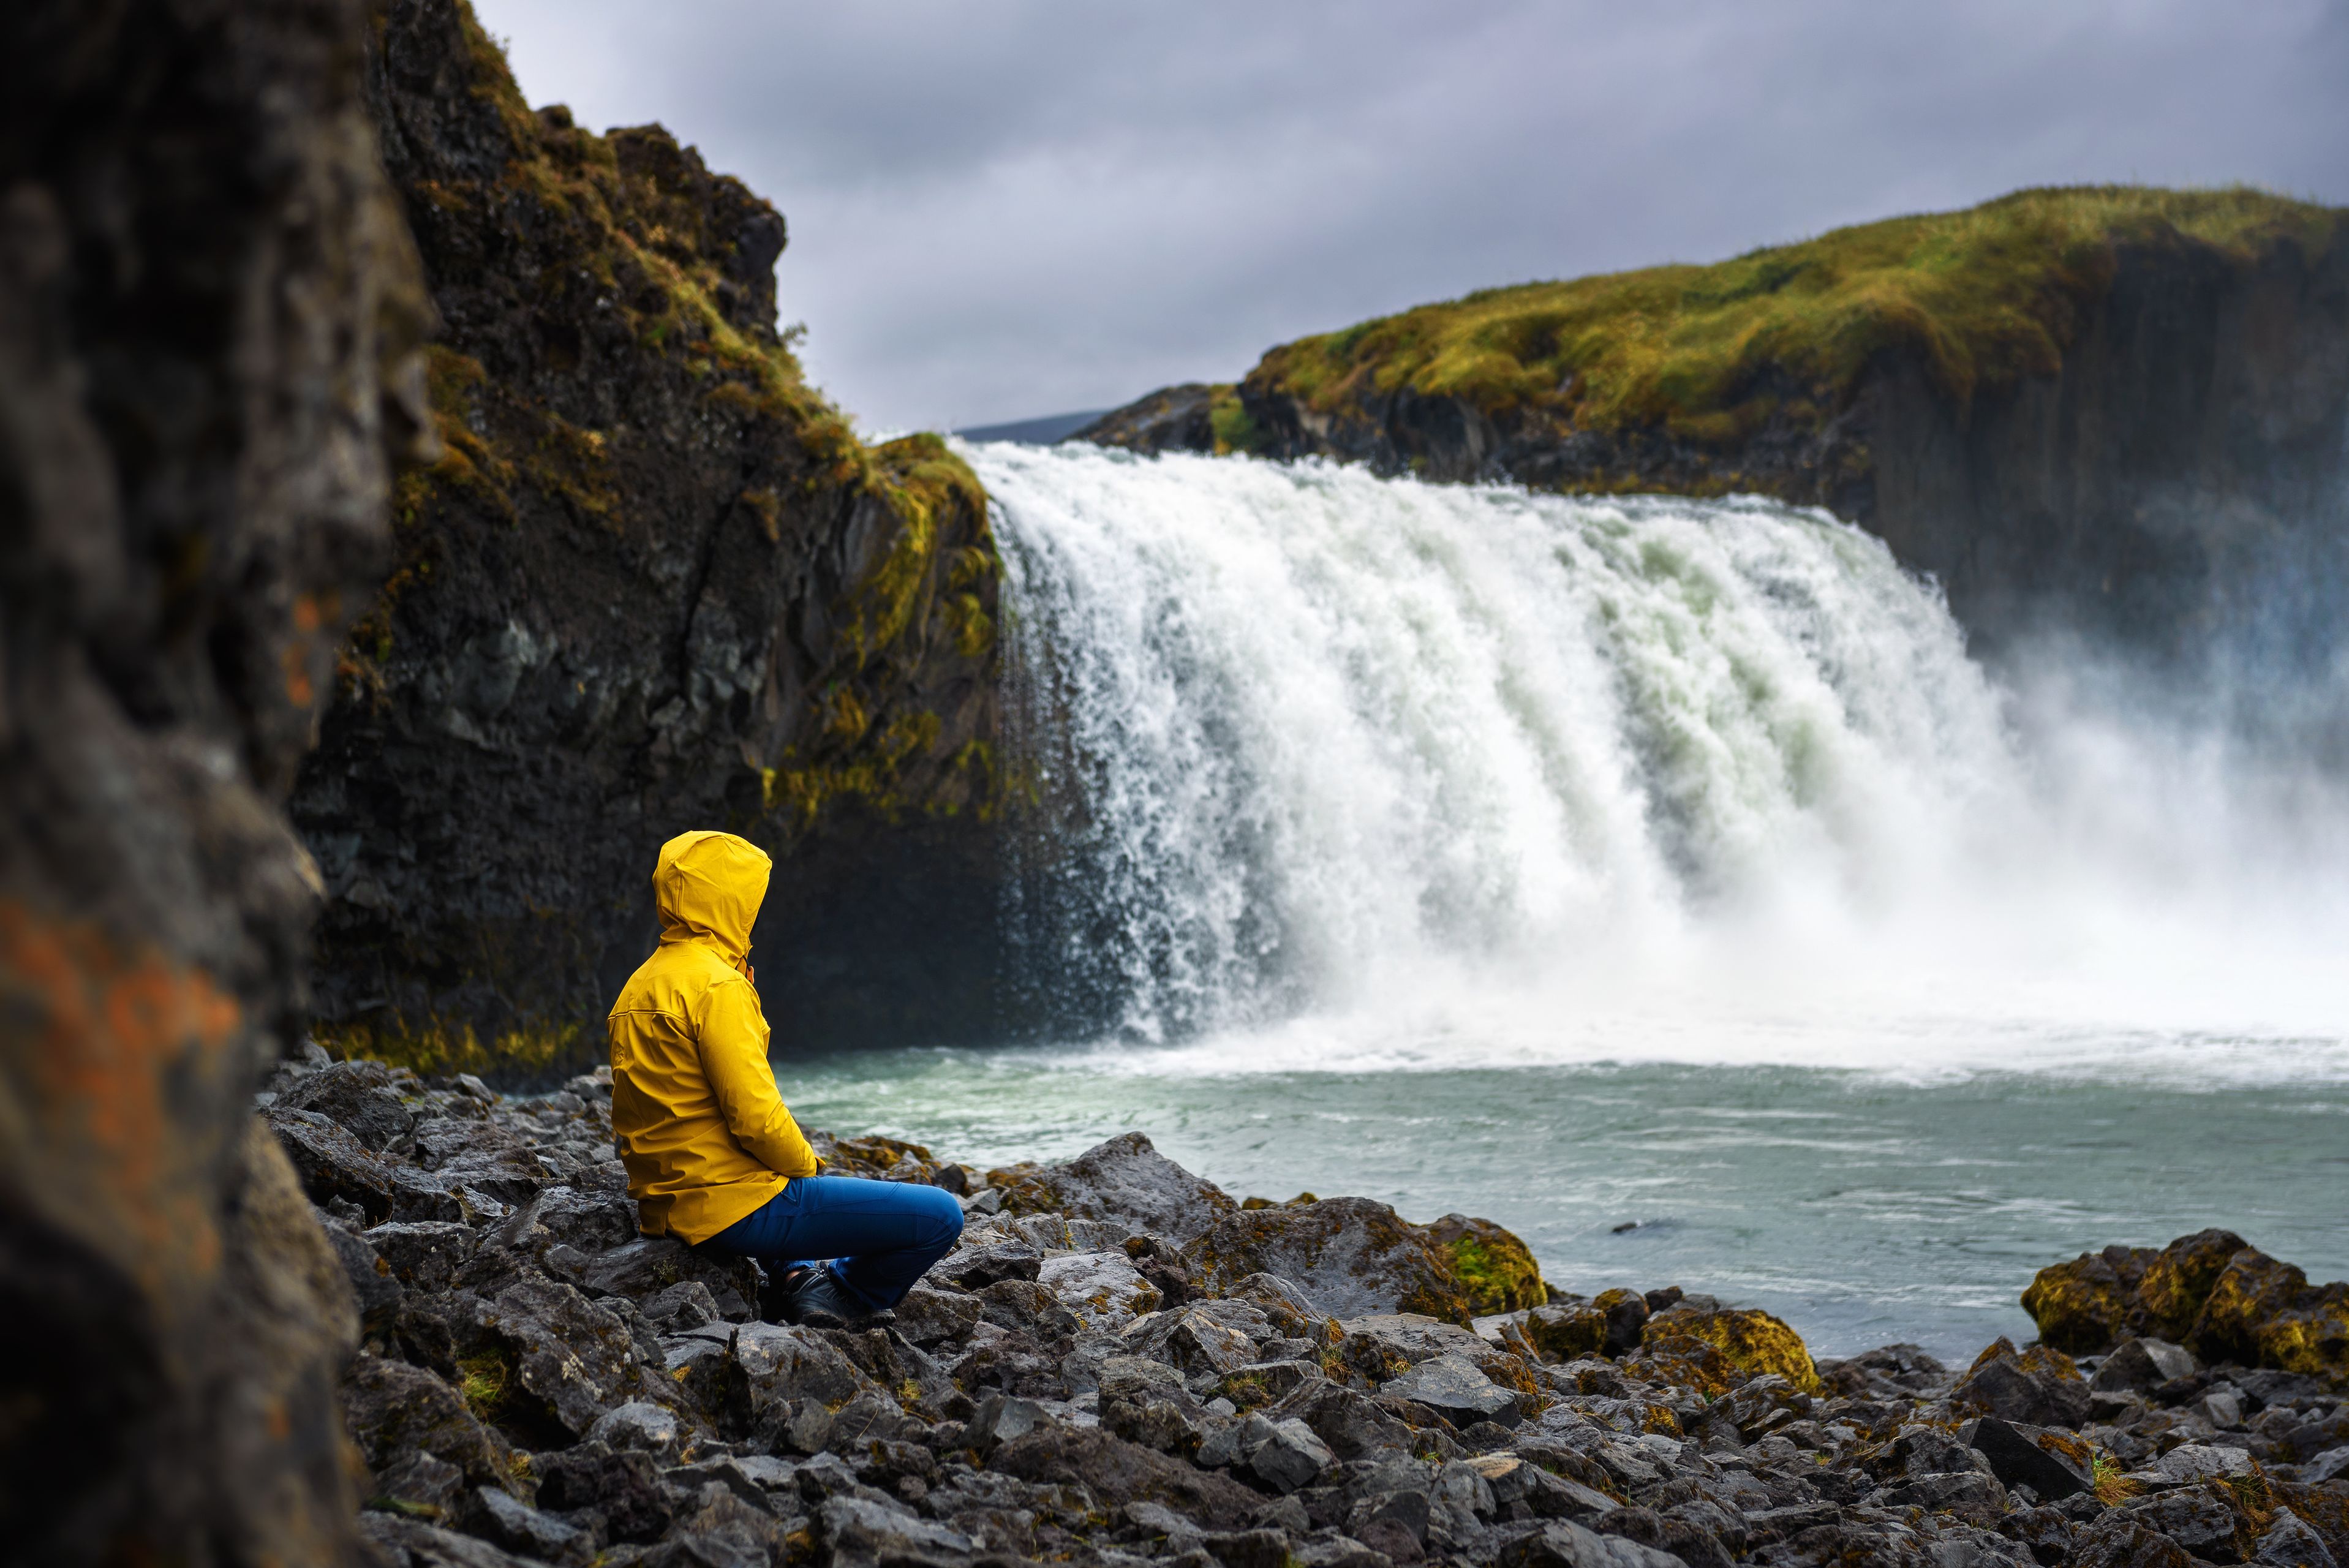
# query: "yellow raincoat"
705,1136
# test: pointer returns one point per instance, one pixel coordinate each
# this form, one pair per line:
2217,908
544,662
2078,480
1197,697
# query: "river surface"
1659,878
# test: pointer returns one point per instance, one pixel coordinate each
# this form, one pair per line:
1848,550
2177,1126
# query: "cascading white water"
1322,741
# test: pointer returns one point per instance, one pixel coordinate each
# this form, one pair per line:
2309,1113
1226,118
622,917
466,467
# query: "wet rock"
1349,1256
374,1287
1454,1387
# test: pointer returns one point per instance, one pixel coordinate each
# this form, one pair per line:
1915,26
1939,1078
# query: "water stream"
1593,863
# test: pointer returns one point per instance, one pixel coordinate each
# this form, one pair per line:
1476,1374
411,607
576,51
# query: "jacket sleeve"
734,1059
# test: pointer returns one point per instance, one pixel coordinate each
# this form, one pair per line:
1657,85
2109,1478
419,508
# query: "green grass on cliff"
1985,295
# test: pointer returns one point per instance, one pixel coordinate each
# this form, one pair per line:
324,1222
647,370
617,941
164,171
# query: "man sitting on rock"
714,1158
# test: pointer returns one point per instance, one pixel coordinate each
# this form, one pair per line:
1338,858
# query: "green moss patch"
1983,296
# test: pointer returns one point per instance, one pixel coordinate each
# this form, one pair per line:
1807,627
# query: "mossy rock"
2180,1277
2091,1302
1750,1342
1568,1332
1352,1257
2264,1313
1494,1266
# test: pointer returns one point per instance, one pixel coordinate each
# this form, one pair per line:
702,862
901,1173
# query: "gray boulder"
1128,1181
1454,1387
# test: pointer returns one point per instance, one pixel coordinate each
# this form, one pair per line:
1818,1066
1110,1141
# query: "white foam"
1381,775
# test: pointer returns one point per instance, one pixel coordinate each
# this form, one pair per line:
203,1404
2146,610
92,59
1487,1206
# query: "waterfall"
1305,739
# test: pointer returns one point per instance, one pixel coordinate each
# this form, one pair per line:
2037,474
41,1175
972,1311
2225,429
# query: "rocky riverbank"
1121,1362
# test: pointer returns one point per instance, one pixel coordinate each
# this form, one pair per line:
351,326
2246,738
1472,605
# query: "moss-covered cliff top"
1985,295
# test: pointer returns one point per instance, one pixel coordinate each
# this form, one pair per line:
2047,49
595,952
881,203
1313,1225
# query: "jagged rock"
413,1543
927,1316
2037,1387
1104,1289
333,1164
1123,1179
2264,1313
1354,1426
860,1534
1888,1371
1610,1325
985,1257
725,1524
638,1425
2018,1458
2291,1544
1496,1269
1689,1543
771,1364
1454,1387
2201,1519
552,1355
1119,1473
374,1286
622,1489
1560,1544
1292,1455
1027,1307
2192,1462
1712,1348
396,1411
1194,1339
643,1268
502,1519
2141,1362
357,1097
1349,1256
424,1255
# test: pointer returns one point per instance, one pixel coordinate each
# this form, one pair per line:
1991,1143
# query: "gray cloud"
1002,207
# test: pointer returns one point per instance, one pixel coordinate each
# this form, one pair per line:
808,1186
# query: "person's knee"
945,1214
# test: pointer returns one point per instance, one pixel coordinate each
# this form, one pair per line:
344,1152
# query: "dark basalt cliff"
2118,413
205,290
655,583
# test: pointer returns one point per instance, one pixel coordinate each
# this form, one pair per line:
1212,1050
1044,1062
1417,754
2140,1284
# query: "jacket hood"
709,887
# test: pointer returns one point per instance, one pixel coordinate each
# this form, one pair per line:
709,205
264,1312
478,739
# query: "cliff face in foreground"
655,583
2116,411
205,290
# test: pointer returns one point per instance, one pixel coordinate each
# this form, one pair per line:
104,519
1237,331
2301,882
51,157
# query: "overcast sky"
1007,208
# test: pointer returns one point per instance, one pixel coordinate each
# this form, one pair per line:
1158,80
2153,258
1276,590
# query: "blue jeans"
880,1236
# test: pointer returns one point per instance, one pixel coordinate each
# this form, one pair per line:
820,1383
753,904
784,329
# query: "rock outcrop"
2125,426
2210,1292
1074,1383
209,313
656,583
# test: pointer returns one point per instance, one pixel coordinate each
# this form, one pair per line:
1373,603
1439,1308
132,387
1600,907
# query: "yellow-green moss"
1235,428
1985,295
1495,1268
1751,1341
435,1047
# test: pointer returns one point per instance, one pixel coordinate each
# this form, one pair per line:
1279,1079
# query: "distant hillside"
2061,403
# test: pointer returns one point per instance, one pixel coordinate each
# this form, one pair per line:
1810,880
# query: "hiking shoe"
823,1302
775,1294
